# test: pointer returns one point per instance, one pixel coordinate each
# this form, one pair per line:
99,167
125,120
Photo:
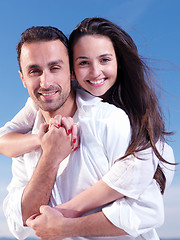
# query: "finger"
44,208
29,221
54,122
75,137
57,206
67,123
58,119
43,129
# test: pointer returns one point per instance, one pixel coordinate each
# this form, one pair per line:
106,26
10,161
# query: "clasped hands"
58,138
69,126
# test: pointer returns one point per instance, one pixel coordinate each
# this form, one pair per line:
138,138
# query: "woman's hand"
69,126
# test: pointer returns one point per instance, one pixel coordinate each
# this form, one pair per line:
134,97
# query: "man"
45,72
48,178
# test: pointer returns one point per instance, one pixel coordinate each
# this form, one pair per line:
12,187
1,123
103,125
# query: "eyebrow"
102,55
56,62
32,66
49,64
81,57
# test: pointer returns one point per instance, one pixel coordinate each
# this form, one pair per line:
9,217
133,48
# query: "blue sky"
153,24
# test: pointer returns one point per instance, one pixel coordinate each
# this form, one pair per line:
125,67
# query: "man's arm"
51,224
38,190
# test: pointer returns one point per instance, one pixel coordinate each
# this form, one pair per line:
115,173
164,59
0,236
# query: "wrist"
69,227
36,140
69,210
48,165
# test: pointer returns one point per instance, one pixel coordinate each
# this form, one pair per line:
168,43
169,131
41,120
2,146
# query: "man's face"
46,73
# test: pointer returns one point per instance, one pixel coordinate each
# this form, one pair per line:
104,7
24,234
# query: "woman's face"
95,63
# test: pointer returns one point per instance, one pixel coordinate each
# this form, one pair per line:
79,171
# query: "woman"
124,79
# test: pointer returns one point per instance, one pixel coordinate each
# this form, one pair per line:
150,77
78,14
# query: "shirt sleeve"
141,210
168,169
138,217
12,203
132,175
23,121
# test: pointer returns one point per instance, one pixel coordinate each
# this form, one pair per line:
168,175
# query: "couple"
109,184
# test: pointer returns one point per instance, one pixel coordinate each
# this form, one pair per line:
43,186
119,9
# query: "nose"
96,70
45,80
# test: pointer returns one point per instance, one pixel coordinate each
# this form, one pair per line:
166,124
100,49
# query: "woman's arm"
13,141
14,144
118,182
97,195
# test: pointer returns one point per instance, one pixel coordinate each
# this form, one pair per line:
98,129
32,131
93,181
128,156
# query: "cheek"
80,73
63,80
32,84
112,71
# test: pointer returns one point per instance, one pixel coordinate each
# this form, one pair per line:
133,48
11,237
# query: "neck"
68,109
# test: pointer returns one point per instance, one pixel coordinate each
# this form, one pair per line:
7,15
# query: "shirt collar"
84,99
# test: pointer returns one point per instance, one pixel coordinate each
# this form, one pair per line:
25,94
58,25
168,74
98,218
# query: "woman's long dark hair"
132,90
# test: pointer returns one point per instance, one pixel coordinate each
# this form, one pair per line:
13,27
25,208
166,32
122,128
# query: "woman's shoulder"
110,111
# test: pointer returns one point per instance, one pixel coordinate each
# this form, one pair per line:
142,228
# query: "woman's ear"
22,78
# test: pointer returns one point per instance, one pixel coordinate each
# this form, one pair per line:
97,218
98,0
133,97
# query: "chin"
99,94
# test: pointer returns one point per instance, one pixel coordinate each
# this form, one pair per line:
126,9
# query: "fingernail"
74,140
59,125
69,131
75,148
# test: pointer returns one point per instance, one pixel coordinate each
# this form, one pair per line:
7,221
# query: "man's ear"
22,78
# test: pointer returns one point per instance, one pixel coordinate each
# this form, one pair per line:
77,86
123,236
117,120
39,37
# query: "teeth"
48,94
97,82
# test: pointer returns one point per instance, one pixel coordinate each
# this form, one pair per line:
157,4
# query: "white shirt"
105,135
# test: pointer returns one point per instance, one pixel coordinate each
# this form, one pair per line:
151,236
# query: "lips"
48,94
98,82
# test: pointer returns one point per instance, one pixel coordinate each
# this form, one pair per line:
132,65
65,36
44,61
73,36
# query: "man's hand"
56,144
47,224
52,225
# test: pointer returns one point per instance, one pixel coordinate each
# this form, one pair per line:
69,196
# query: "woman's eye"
83,63
104,60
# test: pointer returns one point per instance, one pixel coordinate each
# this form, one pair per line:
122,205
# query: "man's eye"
34,71
55,68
